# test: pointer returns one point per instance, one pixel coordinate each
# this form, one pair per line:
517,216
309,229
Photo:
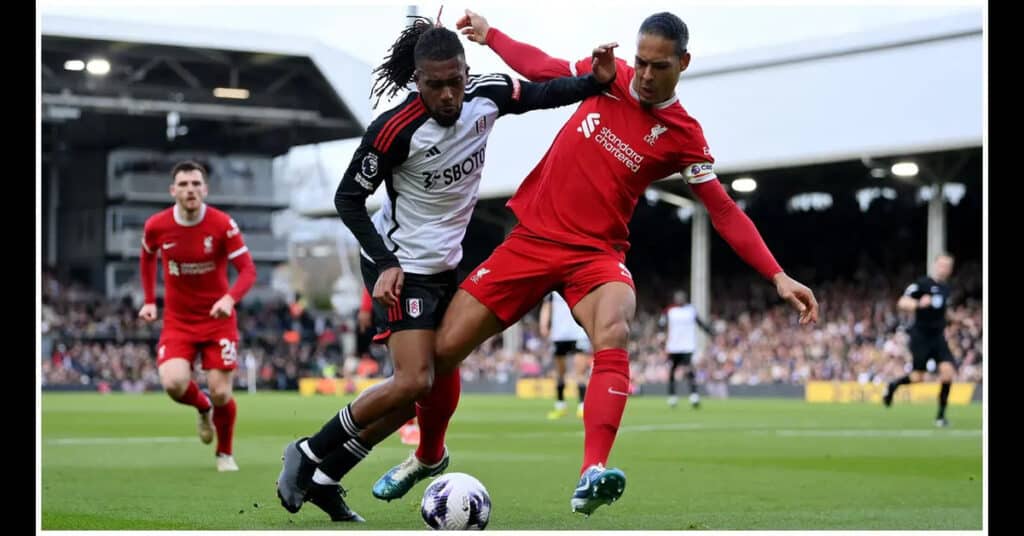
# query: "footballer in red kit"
195,242
572,237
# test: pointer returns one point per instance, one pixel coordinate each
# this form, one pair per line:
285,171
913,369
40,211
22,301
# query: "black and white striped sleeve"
517,96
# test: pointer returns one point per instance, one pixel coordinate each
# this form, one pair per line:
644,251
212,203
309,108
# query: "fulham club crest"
414,306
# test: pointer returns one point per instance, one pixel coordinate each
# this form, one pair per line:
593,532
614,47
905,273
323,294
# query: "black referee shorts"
925,346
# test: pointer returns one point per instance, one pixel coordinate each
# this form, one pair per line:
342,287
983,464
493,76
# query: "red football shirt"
586,187
194,259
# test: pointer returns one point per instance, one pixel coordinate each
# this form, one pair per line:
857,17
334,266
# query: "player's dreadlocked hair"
421,40
669,26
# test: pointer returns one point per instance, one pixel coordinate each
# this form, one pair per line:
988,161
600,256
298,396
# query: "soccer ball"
456,501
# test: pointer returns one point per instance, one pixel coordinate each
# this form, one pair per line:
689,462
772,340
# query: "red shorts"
217,353
524,269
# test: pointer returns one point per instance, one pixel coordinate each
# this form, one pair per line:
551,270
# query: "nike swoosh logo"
614,392
170,245
585,485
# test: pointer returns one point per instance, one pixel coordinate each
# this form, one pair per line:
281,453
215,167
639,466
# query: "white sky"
563,29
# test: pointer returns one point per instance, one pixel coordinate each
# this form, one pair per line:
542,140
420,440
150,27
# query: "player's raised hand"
223,308
148,312
388,287
925,301
799,296
603,64
474,27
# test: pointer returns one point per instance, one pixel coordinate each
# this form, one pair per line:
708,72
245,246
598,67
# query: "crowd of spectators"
92,341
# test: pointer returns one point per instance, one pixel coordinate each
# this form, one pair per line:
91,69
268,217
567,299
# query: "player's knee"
411,386
446,356
614,334
174,387
220,394
445,348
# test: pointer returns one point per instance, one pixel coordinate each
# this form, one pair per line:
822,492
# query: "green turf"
134,462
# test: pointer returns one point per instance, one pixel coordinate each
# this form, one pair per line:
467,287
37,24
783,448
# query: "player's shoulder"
407,106
686,132
216,215
398,121
220,220
678,118
161,219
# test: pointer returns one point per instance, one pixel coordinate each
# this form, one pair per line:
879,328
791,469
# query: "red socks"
604,404
224,422
433,412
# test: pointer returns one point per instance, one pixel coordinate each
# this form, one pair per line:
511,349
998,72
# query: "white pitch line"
116,440
806,432
880,433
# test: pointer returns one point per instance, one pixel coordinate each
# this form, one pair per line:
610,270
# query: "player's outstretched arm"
528,60
736,228
521,97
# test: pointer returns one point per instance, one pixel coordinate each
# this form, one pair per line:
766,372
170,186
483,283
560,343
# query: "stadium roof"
159,91
809,116
844,177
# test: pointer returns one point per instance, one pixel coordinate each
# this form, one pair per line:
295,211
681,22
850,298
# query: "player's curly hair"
669,26
420,40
